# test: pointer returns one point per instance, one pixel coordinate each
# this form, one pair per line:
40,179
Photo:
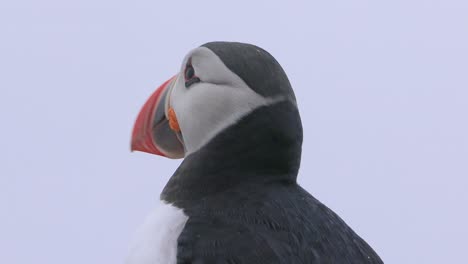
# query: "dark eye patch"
189,74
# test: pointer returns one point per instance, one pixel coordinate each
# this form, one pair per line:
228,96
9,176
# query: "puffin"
231,114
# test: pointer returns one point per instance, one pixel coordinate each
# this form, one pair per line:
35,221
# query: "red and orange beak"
156,129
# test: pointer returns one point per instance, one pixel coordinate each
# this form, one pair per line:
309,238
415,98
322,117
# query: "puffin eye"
189,72
189,75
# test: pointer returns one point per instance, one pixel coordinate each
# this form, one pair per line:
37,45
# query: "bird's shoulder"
277,223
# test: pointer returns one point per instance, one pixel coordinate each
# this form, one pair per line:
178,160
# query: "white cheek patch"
218,101
155,242
210,109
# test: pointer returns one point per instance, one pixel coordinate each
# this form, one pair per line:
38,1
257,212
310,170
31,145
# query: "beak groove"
152,132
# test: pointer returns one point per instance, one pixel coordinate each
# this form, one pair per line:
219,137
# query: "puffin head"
219,83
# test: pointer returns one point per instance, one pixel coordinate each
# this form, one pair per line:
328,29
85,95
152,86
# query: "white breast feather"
155,242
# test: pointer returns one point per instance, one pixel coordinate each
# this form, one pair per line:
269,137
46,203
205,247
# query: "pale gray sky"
382,88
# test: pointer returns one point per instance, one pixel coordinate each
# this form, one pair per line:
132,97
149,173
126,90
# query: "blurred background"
382,88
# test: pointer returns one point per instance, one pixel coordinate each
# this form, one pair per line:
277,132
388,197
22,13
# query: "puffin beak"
156,128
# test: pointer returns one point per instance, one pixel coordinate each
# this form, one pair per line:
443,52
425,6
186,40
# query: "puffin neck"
263,147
